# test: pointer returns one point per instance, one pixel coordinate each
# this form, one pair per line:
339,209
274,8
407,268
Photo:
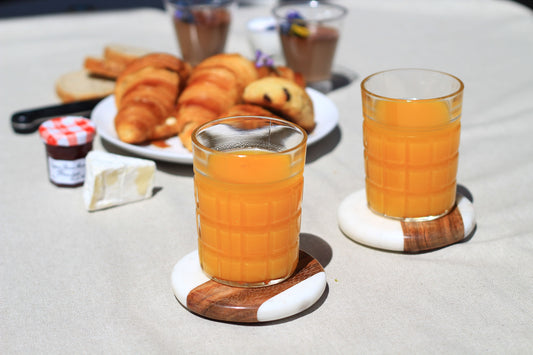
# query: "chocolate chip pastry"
284,98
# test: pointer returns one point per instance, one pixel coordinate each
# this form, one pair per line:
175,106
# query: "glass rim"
313,3
441,97
279,121
189,3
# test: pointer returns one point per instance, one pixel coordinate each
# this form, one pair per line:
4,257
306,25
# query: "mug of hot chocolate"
309,32
201,26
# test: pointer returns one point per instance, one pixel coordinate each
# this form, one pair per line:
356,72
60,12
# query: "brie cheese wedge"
112,180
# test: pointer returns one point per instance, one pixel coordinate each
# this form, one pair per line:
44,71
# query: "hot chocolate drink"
309,33
201,32
312,53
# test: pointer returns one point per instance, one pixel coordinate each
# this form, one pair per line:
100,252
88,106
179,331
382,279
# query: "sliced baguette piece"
116,58
103,67
124,54
80,85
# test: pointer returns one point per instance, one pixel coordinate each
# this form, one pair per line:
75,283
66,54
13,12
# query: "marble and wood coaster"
199,294
360,224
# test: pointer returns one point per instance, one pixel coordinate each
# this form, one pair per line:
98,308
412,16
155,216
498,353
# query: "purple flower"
185,15
293,18
294,15
263,60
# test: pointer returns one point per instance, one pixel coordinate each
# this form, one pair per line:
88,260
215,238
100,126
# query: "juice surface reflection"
411,157
248,216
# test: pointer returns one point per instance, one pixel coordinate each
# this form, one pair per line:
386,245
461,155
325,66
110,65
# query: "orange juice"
411,156
248,206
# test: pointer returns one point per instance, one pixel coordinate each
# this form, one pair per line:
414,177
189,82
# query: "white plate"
103,115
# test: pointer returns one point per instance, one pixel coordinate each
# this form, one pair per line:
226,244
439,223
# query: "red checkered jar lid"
67,131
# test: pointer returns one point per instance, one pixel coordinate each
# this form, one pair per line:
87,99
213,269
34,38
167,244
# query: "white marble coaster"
199,294
360,224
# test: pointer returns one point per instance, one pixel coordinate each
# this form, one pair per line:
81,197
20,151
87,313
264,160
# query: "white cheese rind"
112,180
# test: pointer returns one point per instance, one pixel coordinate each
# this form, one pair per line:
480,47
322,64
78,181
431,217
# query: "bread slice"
80,85
124,54
101,67
116,58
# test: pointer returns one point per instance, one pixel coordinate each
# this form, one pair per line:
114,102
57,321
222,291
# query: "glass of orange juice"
411,129
248,180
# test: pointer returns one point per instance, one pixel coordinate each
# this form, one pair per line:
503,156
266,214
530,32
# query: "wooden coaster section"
360,224
199,294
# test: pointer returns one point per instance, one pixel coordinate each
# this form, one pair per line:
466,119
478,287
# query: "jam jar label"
67,172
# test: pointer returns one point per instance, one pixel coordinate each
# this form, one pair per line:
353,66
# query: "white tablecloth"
78,282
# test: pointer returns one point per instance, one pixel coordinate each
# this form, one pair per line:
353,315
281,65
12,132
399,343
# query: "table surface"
80,282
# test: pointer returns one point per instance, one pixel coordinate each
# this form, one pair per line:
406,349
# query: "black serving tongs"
28,121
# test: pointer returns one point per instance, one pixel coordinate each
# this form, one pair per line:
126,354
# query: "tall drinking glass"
248,178
411,130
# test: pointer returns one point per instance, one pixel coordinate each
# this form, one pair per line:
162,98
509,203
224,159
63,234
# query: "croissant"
215,85
146,92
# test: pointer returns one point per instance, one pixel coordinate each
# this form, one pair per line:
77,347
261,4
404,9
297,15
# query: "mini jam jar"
67,140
